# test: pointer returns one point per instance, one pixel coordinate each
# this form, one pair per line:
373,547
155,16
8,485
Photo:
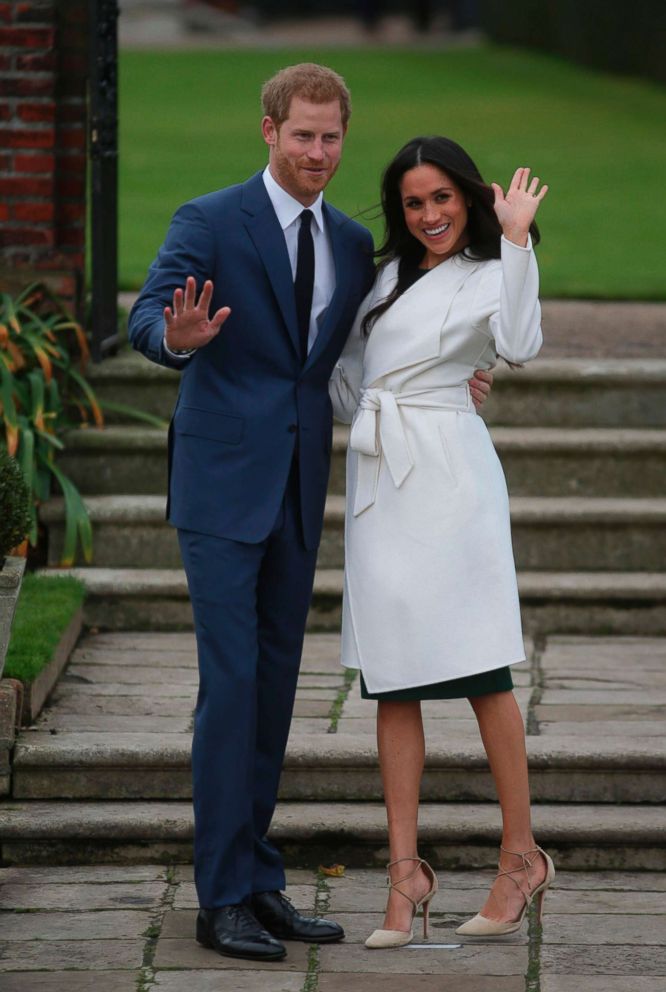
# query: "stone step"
616,392
451,835
552,602
560,534
323,768
538,461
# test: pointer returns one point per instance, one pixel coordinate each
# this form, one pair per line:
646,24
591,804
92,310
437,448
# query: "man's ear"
269,130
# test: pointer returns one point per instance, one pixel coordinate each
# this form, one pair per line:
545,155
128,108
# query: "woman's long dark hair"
483,228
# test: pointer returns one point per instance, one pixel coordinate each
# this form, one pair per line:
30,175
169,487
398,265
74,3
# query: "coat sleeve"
344,386
508,303
188,250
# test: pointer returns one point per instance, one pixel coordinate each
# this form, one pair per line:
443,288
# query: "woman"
431,605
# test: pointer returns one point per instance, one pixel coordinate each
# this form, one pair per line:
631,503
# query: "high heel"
481,926
398,938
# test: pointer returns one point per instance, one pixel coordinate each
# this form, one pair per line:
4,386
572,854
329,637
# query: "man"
249,447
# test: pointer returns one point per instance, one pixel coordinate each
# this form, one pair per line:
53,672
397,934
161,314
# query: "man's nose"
316,151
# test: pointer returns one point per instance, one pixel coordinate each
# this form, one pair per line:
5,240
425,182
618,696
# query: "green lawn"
45,607
190,124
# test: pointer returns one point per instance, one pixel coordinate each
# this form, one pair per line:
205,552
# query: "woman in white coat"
431,605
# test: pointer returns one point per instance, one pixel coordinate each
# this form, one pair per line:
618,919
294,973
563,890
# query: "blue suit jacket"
246,399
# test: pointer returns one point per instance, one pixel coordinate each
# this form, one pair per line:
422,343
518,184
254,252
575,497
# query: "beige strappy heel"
398,938
481,926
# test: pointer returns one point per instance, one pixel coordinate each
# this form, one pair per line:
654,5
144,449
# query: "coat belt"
378,428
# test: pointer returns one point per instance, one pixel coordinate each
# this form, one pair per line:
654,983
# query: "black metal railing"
103,152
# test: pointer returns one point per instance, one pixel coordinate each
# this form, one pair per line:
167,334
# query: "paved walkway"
114,929
122,928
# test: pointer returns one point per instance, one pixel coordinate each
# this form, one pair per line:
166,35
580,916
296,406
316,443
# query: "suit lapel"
341,262
268,238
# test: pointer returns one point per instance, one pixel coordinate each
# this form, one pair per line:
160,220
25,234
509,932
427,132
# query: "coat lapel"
341,262
409,333
268,238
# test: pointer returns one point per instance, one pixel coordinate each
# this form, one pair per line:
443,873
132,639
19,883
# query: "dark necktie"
304,282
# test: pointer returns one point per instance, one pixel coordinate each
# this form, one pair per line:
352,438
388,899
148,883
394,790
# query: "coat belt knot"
378,428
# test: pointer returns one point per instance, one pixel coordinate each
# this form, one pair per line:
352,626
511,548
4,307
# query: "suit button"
292,428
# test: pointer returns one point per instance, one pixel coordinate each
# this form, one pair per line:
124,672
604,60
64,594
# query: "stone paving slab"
587,928
147,689
606,728
72,874
146,658
461,960
107,723
95,955
597,925
139,640
601,697
234,981
618,681
583,713
65,702
101,926
420,983
601,983
131,674
618,959
80,896
70,981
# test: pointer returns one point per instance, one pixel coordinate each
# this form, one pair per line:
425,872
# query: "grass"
189,123
45,607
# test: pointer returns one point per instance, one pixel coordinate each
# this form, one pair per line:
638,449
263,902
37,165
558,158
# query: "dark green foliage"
14,504
605,34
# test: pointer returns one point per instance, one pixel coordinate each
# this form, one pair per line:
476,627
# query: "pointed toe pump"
398,938
481,926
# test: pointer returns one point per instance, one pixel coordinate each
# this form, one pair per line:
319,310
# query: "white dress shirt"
289,212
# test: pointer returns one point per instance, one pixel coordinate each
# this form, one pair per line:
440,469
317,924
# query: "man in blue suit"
249,445
283,274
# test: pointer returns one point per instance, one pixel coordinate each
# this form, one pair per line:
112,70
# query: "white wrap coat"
430,586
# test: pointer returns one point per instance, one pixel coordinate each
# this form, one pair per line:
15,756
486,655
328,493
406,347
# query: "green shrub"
14,504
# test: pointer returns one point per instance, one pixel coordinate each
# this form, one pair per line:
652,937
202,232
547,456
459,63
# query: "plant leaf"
77,522
131,411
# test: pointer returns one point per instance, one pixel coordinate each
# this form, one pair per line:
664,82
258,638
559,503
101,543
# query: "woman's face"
435,212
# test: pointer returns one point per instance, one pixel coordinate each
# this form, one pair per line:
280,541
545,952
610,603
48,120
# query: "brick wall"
43,73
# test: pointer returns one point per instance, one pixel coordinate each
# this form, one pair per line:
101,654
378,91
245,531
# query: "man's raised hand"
187,323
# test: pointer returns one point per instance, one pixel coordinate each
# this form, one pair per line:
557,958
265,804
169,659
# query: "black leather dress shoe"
275,912
234,931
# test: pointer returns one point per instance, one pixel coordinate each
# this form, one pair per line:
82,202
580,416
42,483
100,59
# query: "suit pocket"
213,426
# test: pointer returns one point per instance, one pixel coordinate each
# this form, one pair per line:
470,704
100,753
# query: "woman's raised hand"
516,210
187,324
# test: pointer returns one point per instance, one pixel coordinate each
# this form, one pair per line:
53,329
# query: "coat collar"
409,332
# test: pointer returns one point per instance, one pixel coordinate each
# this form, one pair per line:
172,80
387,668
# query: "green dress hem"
497,680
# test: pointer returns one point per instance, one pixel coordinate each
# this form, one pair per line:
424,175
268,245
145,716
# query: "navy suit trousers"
250,604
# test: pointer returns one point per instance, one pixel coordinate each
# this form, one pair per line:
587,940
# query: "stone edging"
37,691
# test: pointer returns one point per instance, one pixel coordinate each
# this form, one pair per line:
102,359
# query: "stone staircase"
104,775
583,445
